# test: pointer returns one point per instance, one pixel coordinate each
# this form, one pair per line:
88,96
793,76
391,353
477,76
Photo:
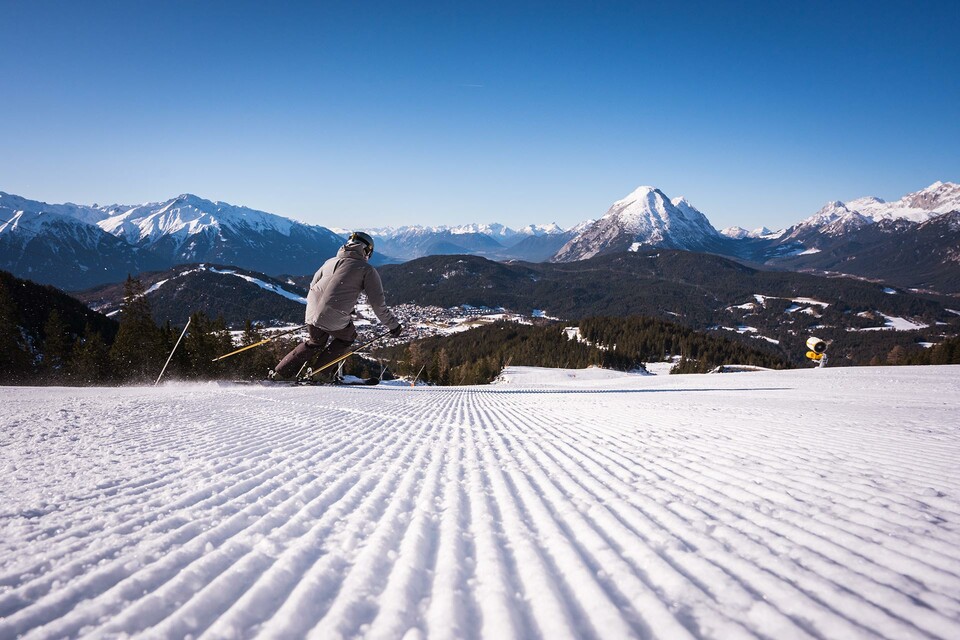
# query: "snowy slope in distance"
267,286
812,503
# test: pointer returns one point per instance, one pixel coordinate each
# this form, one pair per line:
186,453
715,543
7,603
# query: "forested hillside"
231,293
479,355
699,291
689,287
47,337
46,333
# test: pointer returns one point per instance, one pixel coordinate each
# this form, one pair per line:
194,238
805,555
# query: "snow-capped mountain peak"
939,197
837,218
639,206
645,209
549,229
919,206
79,246
682,202
188,215
830,212
531,242
739,233
862,203
644,218
642,191
494,230
29,212
833,219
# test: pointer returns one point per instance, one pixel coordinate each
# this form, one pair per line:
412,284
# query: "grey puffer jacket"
337,285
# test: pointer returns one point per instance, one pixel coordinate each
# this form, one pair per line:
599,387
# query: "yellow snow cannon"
816,345
817,350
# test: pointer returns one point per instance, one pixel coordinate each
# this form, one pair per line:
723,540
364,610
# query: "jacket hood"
353,250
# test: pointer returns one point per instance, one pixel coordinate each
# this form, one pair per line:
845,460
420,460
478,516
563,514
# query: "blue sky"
386,113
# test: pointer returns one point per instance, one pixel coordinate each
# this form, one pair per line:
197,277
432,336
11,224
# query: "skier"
333,295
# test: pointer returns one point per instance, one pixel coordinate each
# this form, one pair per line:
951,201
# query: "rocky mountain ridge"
77,246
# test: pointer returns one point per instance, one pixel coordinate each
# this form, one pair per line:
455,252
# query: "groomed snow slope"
821,503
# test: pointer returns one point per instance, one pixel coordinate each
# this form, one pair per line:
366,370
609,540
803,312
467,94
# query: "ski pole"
257,344
182,333
347,355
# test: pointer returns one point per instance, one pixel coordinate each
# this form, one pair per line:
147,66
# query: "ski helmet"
360,236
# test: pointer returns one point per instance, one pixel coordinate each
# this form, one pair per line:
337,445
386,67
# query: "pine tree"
90,361
206,340
443,366
57,344
254,364
137,352
415,358
16,365
897,355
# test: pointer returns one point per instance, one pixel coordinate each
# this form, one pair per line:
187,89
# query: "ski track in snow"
816,503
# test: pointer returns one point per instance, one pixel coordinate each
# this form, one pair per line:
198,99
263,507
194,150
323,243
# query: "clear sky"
390,113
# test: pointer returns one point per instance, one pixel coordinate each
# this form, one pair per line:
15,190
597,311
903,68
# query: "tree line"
480,355
63,349
46,337
639,338
946,352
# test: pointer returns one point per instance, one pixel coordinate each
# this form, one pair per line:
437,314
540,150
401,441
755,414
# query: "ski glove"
397,330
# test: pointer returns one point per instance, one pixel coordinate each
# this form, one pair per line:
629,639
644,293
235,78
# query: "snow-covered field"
821,503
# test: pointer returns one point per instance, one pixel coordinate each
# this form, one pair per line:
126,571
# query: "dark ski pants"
333,344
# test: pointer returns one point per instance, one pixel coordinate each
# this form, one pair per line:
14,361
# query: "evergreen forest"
48,337
478,356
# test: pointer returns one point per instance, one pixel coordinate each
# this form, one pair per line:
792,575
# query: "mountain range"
911,242
76,246
533,243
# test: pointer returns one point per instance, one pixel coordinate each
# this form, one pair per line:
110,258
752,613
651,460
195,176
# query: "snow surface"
894,323
588,504
155,286
762,301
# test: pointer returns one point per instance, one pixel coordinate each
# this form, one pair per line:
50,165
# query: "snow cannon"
817,350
